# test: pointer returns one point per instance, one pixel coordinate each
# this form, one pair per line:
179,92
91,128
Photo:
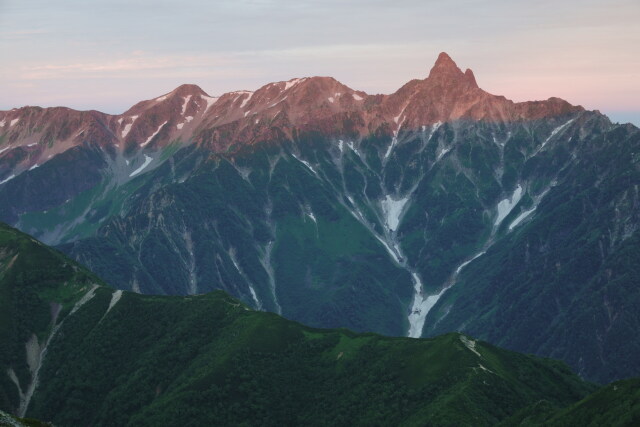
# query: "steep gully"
391,207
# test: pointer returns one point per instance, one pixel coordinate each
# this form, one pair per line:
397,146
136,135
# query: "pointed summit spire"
444,66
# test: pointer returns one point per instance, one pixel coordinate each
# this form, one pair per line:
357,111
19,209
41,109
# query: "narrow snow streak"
442,153
307,164
265,260
4,149
394,141
464,264
9,178
554,133
521,218
184,105
232,255
153,135
147,160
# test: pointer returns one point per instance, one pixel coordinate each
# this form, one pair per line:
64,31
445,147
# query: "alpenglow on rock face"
437,208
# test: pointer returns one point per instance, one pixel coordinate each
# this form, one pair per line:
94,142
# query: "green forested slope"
124,358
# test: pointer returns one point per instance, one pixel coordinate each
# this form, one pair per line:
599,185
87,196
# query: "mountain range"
439,208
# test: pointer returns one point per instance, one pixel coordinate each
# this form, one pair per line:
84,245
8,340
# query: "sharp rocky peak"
445,70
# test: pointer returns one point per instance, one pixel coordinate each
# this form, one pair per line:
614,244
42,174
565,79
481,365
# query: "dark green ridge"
209,359
36,282
617,404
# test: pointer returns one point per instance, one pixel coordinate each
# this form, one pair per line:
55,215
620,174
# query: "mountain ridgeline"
435,209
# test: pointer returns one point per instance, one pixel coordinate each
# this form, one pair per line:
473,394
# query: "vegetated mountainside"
39,290
120,358
617,404
434,209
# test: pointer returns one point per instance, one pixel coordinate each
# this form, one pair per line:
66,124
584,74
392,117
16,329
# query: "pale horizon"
107,56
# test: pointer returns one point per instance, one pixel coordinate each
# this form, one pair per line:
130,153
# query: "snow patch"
434,128
340,146
90,294
127,127
162,98
353,148
153,135
115,297
13,122
32,144
392,210
147,160
33,167
4,149
184,105
420,308
244,101
506,206
312,216
331,99
210,101
357,97
291,83
186,120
